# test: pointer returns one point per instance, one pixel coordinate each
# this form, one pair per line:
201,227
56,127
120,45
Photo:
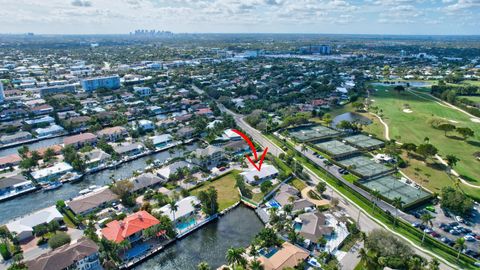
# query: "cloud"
81,3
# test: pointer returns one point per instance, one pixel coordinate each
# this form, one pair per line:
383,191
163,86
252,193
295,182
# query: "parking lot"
447,228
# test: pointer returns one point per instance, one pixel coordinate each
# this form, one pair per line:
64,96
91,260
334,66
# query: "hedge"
5,252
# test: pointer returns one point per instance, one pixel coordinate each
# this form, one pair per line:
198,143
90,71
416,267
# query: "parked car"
453,224
435,234
469,238
459,219
430,208
454,232
415,224
445,240
447,228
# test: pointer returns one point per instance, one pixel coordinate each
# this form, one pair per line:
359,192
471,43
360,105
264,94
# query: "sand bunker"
453,121
407,111
475,120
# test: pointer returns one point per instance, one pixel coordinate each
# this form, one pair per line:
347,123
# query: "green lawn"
225,186
415,126
298,184
472,98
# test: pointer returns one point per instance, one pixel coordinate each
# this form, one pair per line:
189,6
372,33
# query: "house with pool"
51,173
287,256
187,214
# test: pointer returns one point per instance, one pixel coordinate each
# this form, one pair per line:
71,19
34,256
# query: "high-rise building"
2,93
92,84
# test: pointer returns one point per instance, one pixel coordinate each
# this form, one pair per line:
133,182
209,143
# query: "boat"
93,187
52,186
84,191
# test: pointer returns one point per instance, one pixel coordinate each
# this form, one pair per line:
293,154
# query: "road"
365,222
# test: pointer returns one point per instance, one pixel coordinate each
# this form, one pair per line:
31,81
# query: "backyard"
225,186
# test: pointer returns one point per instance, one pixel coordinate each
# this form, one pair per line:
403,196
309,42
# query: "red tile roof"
118,231
10,159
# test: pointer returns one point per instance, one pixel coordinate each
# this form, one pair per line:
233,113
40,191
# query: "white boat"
93,187
84,191
52,186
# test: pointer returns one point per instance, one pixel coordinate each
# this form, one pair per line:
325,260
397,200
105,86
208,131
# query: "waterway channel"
31,202
210,243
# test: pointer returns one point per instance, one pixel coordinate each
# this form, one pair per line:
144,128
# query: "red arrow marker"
254,151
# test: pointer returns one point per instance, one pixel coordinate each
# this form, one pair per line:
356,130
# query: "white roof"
28,222
266,171
230,134
161,138
185,207
61,167
172,168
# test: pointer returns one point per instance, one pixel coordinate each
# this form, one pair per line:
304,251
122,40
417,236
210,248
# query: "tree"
203,266
465,132
459,245
321,187
122,188
48,155
446,127
426,220
426,150
208,199
53,226
267,237
434,264
409,147
266,186
456,201
173,208
256,265
23,151
368,259
399,88
235,257
58,240
397,203
376,196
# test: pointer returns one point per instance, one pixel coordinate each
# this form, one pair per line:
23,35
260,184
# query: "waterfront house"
40,121
169,170
96,158
80,255
146,180
231,135
288,256
113,134
253,176
92,201
14,185
209,156
187,207
15,137
313,226
162,140
80,140
10,161
49,131
186,132
146,125
22,228
131,228
236,147
53,172
129,149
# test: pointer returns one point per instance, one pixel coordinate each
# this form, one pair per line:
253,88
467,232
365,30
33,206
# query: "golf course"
409,116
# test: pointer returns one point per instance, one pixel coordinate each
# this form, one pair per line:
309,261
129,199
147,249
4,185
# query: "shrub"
5,252
58,240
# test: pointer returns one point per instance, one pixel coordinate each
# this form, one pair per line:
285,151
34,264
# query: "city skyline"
396,17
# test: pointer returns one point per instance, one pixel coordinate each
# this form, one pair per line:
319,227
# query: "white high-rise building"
2,94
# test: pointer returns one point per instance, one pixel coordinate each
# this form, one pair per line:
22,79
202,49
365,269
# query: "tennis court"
364,166
391,187
336,149
312,133
364,142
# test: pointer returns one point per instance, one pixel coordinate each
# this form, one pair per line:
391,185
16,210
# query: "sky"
403,17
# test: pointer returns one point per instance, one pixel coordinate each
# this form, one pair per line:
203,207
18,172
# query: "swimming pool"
297,226
273,204
268,252
186,224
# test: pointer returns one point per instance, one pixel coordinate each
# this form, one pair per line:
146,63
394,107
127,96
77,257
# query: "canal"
32,146
40,199
210,243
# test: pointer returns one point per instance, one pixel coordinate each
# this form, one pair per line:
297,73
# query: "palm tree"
397,203
256,265
368,259
376,195
304,148
434,265
426,220
173,208
125,244
235,256
203,266
460,245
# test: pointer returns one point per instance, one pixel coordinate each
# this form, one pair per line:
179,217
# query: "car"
445,240
453,224
466,230
427,230
452,243
63,228
430,208
477,237
222,169
415,224
454,232
442,225
435,234
469,238
459,219
447,228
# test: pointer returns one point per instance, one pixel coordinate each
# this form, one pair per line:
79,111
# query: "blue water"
136,251
186,224
274,204
297,226
267,253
